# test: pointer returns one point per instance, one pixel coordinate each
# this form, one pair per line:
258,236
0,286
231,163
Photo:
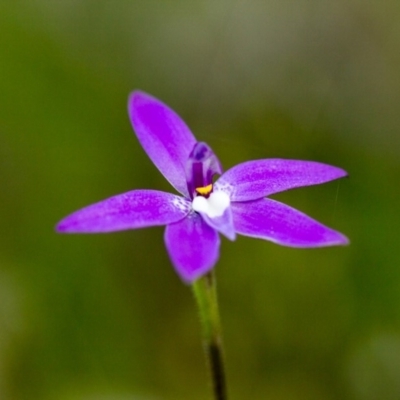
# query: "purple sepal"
192,246
259,178
271,220
164,136
135,209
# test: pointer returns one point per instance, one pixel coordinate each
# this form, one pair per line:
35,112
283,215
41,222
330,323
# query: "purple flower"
235,204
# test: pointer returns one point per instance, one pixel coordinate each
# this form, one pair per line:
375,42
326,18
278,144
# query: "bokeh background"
105,316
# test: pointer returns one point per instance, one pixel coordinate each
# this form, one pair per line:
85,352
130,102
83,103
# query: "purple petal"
223,224
164,136
259,178
271,220
192,246
136,209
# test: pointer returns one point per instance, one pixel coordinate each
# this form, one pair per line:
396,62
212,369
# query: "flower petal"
192,246
259,178
271,220
223,223
164,136
131,210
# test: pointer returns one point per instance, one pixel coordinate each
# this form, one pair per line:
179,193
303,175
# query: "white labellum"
214,206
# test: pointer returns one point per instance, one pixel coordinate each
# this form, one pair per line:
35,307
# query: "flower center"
213,206
205,190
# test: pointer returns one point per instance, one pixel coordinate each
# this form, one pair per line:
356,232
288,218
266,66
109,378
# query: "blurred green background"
105,316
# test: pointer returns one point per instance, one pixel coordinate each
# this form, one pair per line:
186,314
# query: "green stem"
206,296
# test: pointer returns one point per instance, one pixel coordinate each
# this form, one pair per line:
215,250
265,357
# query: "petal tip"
334,239
61,227
343,240
65,226
341,173
188,279
231,236
138,95
188,275
58,229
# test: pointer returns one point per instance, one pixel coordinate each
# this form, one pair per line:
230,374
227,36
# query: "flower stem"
206,296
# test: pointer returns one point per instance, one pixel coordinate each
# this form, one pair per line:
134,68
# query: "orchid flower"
236,203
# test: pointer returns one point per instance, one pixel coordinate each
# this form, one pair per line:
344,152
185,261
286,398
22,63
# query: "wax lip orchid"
236,203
